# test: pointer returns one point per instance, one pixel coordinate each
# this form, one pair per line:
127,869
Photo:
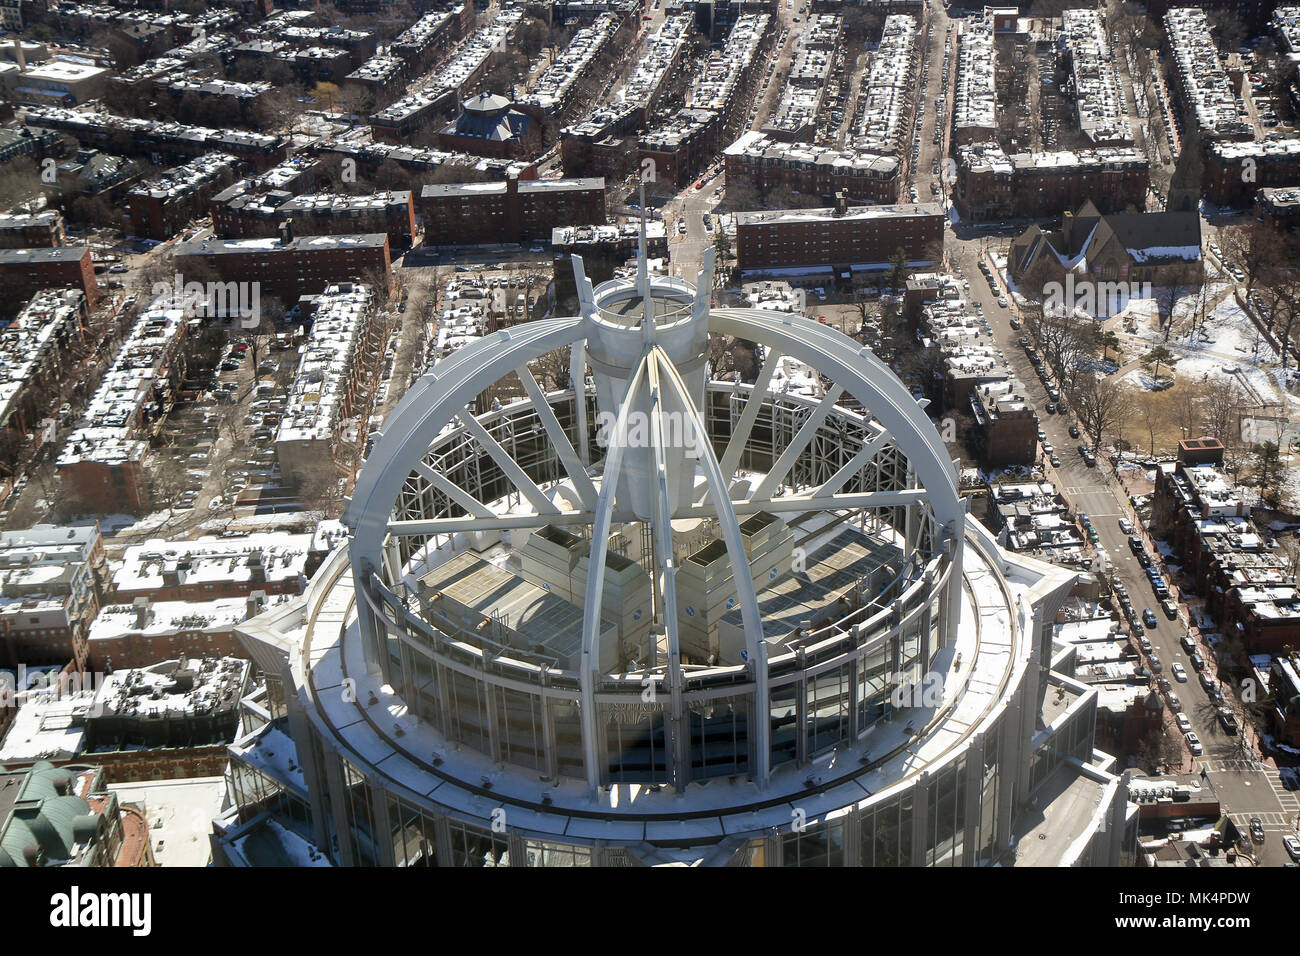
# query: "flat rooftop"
553,624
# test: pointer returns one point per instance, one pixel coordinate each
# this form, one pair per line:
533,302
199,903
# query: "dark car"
1074,432
1228,720
1170,609
1051,408
1149,618
1256,829
1135,544
1197,660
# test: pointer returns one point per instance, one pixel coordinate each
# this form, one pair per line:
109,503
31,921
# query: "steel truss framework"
438,471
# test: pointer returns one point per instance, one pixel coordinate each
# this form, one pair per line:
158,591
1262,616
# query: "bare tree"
552,370
1101,404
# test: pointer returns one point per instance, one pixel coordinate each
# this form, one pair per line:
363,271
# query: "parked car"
1292,847
1125,526
1135,544
1184,724
1227,720
1170,609
1194,744
1198,662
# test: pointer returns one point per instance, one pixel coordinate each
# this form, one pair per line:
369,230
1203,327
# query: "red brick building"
759,164
162,207
318,214
1234,172
431,35
837,239
1249,587
510,211
40,230
992,185
291,266
24,272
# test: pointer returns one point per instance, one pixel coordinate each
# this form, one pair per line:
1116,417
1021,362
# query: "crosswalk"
1270,819
1235,765
1289,799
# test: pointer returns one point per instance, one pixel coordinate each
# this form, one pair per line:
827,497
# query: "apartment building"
974,103
24,272
1248,584
992,185
714,108
329,384
1233,171
168,142
37,230
420,44
291,266
1207,94
49,593
759,164
160,208
838,240
35,357
510,211
254,216
1098,97
101,465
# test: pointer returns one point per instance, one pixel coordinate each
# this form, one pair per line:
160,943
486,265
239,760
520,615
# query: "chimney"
254,604
286,232
141,613
841,203
256,566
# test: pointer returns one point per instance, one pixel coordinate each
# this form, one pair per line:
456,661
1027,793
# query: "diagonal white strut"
559,438
746,595
749,415
509,467
802,437
600,527
665,570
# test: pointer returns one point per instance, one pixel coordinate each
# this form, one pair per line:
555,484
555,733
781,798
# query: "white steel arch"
649,361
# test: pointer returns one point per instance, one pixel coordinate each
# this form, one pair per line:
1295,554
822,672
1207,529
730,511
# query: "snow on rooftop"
185,179
48,319
318,390
276,557
975,97
1103,115
109,429
887,89
1205,83
556,83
